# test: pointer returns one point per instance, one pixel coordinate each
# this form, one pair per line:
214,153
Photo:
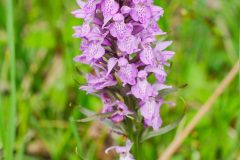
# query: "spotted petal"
94,51
128,74
81,31
151,113
148,109
109,8
111,63
147,56
141,13
120,30
142,90
129,44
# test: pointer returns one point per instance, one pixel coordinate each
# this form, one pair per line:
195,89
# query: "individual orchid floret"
96,34
158,71
81,31
94,51
143,89
124,151
141,12
119,28
121,112
118,109
109,9
150,111
98,82
129,44
87,9
147,55
127,72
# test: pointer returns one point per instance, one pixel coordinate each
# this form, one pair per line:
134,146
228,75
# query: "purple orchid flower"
98,82
147,55
129,44
127,72
143,89
119,109
87,9
124,151
81,31
150,111
141,11
109,9
120,43
119,28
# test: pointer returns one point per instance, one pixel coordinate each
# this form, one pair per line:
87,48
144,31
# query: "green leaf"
95,116
168,91
92,115
150,134
86,111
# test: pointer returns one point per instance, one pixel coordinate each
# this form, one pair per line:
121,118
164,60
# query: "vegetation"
206,41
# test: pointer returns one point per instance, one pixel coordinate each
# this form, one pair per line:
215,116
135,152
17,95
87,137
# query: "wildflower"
150,111
109,9
119,42
119,28
124,151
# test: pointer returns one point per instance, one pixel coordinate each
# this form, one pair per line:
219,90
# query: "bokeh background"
206,41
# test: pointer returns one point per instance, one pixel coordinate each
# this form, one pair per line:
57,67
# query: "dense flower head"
119,40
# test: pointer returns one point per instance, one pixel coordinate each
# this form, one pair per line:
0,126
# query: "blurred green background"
206,41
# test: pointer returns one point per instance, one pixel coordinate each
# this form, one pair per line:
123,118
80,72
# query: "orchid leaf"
117,128
168,91
86,111
150,134
91,115
95,116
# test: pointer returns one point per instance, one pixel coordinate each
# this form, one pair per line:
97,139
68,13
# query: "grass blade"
10,130
77,137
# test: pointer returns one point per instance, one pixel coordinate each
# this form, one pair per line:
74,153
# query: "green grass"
9,133
206,44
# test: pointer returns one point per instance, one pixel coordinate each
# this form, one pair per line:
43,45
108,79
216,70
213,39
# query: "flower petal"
109,8
129,44
162,45
147,56
111,63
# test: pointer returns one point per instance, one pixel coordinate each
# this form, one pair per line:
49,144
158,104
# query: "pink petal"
147,56
125,10
167,55
162,45
111,63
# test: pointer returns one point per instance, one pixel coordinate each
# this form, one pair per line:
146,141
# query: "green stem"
10,129
134,130
137,146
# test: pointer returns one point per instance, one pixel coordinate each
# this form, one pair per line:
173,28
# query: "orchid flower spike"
119,42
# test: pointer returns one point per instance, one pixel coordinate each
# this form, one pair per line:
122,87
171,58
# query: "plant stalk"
137,145
9,135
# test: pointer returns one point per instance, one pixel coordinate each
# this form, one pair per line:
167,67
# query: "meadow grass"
9,131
